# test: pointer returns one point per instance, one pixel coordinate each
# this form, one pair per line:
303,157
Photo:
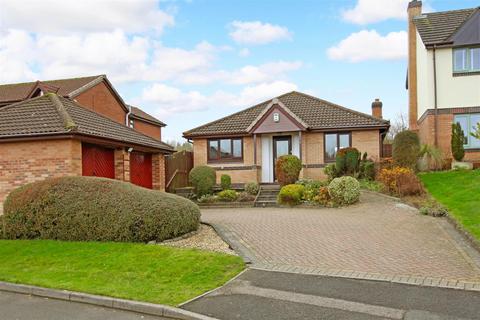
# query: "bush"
431,158
245,197
367,170
400,181
406,148
225,182
252,188
344,190
208,198
323,197
291,194
432,208
287,169
227,195
458,137
96,209
203,179
312,188
331,171
347,161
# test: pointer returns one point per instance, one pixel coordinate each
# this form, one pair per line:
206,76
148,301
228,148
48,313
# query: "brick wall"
367,141
148,129
122,164
101,100
158,172
25,162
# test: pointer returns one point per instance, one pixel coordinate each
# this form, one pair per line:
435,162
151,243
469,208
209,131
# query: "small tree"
458,137
406,148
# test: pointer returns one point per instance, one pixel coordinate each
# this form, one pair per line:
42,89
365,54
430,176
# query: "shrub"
312,188
401,181
96,209
431,158
458,137
207,198
252,188
432,208
347,161
344,190
367,170
323,197
227,195
287,169
245,197
331,171
406,148
291,194
225,182
203,179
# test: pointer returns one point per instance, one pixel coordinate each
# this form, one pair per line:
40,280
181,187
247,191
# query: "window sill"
466,73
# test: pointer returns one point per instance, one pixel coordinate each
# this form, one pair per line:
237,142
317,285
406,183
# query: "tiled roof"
438,27
139,113
19,91
51,114
316,113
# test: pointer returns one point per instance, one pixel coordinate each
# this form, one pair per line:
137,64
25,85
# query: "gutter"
435,95
127,116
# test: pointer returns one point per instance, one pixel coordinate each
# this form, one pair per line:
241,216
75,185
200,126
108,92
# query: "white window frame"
467,53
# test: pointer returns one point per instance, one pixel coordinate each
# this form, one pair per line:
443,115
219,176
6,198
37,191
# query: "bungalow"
246,144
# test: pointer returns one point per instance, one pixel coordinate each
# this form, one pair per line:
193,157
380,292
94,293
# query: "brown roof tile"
438,27
316,113
51,114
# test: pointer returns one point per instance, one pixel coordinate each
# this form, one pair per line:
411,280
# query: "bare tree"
180,146
398,125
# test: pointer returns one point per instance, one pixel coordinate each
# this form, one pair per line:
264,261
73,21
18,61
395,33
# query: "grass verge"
141,272
459,192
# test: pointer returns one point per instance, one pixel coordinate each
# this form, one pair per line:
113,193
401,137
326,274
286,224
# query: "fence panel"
177,168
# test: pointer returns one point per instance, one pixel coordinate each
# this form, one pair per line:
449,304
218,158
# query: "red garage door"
141,169
97,161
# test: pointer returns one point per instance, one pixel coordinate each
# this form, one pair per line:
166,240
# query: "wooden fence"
177,168
387,151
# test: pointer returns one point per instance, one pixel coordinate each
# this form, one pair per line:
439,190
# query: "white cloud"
263,73
370,11
61,16
166,100
370,45
256,32
16,48
245,52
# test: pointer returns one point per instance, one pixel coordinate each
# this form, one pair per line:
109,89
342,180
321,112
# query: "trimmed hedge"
203,180
287,169
96,209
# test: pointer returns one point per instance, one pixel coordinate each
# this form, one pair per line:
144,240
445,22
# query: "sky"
192,62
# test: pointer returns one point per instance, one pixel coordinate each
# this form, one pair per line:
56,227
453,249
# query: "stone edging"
109,302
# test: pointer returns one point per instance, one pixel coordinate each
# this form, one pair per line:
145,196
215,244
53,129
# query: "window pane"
475,58
344,141
330,146
237,148
225,148
459,59
474,120
213,149
463,120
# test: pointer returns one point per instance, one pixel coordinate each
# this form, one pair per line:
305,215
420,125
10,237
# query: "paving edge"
103,301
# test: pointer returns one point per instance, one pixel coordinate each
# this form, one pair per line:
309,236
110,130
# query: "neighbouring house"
53,130
246,144
94,92
444,75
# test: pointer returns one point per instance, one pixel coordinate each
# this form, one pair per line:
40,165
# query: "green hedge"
203,179
96,209
291,194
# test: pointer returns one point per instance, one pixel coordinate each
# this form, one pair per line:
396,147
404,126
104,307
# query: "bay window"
466,59
335,142
469,122
229,149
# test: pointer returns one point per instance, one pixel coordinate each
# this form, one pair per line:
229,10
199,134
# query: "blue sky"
191,62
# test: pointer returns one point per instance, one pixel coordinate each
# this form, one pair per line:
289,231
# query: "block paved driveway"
377,238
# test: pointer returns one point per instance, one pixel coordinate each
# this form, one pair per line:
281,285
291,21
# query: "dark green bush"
458,137
96,209
367,170
203,179
225,182
227,195
406,149
252,188
291,194
347,161
287,169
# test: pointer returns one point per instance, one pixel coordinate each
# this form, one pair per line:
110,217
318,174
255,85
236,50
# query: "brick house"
444,75
246,144
51,133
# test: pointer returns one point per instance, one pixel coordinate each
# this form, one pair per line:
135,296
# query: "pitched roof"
316,113
439,27
51,114
140,114
19,91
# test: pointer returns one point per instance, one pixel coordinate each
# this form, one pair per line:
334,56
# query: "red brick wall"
122,164
148,129
101,100
25,162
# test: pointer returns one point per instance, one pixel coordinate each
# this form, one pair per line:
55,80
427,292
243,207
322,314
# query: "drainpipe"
435,93
127,117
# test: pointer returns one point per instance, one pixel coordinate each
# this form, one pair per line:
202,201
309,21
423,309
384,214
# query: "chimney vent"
377,108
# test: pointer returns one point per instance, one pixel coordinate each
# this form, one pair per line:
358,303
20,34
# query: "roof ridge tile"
68,122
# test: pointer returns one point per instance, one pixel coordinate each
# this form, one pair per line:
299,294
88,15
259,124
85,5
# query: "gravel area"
205,238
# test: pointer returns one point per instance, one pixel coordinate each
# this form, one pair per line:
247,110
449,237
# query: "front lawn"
142,272
459,191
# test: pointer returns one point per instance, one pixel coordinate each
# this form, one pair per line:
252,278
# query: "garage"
141,169
97,161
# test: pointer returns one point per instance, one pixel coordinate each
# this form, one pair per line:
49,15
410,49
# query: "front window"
335,142
466,60
225,149
469,122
